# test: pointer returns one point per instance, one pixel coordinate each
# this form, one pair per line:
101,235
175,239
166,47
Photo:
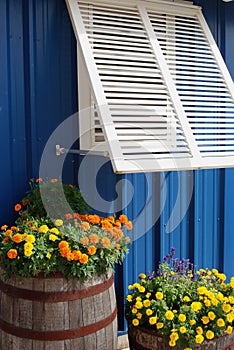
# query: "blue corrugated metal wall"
38,90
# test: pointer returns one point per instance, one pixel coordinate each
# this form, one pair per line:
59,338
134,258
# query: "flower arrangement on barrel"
56,271
78,245
185,307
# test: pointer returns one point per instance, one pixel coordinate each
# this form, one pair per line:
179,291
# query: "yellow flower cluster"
201,310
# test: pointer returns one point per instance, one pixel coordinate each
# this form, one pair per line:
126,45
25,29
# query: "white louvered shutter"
163,97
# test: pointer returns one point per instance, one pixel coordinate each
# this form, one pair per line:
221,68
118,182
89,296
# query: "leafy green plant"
186,306
46,200
78,246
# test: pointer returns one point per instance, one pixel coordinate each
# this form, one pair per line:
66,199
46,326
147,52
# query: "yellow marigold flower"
58,222
139,315
192,322
148,295
214,271
138,299
226,308
182,317
129,298
28,246
149,312
146,303
207,302
220,296
159,295
53,237
199,339
142,275
159,325
196,306
214,301
229,330
209,334
85,226
136,285
199,330
134,310
30,238
174,336
48,255
205,319
211,315
139,305
169,315
152,320
28,252
141,289
231,299
222,277
232,282
230,317
172,343
186,299
188,349
220,322
135,322
44,228
54,230
12,253
182,329
201,290
131,287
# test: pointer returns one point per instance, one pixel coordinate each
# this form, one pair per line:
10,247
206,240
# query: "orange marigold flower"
84,240
93,238
118,246
92,250
17,238
127,239
70,256
25,202
123,219
71,186
118,223
94,219
53,181
4,227
18,207
128,225
105,242
68,216
12,253
84,258
76,215
106,224
111,219
85,226
77,254
39,180
6,239
63,244
14,228
8,232
118,233
64,251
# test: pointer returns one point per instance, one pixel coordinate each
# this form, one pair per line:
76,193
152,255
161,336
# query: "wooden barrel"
53,313
145,339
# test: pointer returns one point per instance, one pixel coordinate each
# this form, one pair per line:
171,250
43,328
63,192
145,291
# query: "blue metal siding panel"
38,89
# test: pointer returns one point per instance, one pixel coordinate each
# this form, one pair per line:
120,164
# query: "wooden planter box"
145,339
55,313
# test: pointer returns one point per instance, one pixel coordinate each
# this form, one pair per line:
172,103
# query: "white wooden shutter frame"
164,97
